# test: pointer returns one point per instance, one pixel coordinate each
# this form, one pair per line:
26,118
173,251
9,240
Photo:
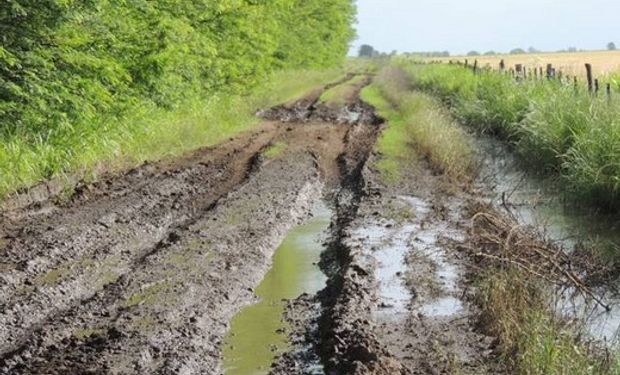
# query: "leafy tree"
490,53
473,53
517,51
64,64
532,50
611,46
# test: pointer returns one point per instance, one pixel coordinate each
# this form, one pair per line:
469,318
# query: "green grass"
417,126
532,340
275,150
146,133
338,95
557,128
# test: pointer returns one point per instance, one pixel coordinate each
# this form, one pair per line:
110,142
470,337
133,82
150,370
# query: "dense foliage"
71,70
553,125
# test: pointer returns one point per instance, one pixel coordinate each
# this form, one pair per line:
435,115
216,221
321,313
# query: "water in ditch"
535,201
257,333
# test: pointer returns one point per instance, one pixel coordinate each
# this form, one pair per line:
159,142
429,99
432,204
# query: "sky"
461,26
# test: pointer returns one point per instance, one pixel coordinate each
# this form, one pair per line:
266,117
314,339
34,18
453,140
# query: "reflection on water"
538,202
256,335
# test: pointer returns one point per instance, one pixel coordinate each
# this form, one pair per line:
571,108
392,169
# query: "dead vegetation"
518,275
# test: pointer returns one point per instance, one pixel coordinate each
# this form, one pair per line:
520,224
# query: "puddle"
446,306
537,202
256,335
391,244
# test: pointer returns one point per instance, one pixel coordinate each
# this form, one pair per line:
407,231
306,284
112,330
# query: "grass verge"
417,126
557,127
145,133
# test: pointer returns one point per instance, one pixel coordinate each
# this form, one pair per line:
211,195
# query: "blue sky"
482,25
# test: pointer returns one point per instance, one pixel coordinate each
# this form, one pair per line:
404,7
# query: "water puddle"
392,243
537,202
446,306
256,336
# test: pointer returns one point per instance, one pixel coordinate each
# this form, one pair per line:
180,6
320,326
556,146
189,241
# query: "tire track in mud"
67,257
142,273
117,279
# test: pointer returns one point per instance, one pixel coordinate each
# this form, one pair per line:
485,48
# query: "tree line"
64,62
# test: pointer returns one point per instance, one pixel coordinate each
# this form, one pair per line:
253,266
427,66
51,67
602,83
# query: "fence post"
502,66
466,63
589,76
608,91
549,71
540,72
475,66
596,86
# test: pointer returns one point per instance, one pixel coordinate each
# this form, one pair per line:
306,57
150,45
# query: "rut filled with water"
257,334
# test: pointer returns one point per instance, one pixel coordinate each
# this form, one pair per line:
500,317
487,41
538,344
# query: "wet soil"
142,273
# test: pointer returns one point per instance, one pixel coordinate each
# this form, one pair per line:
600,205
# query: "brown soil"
141,273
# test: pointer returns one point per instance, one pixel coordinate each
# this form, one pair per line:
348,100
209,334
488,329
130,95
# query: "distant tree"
394,53
473,53
611,46
532,50
367,51
490,53
517,51
444,54
572,49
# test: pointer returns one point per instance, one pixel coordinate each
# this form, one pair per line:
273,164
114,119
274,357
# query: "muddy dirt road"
142,273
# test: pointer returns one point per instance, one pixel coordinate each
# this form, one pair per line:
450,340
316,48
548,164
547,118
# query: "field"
570,63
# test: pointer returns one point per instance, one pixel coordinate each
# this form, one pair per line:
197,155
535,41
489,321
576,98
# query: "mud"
143,272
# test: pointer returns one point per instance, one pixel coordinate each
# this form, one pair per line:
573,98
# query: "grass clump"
274,150
532,339
557,127
417,126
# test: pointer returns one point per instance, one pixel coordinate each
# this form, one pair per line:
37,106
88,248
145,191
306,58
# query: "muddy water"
257,335
538,202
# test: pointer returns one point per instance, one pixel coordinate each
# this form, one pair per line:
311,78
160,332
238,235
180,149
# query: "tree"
473,53
490,53
611,46
517,51
367,51
532,50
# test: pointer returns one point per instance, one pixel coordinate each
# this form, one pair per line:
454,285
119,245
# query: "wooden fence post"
549,71
596,86
540,72
466,63
475,66
608,91
589,76
502,66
